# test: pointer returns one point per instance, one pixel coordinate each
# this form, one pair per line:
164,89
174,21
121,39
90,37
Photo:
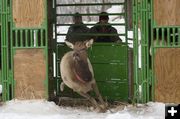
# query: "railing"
58,15
29,38
166,36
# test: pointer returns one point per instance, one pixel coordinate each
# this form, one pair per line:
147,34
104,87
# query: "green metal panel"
110,64
4,13
114,90
141,21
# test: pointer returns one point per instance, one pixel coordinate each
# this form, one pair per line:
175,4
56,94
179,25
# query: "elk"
77,73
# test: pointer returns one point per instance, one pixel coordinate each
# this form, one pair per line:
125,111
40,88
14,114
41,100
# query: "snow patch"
42,109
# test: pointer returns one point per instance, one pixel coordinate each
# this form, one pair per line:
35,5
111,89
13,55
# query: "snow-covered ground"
42,109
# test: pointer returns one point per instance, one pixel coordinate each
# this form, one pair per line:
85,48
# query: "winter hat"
103,16
77,16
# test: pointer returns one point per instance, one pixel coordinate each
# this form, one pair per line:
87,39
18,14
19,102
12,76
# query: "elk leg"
91,99
62,86
99,95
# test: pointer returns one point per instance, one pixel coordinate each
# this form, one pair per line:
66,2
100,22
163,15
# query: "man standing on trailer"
78,31
109,33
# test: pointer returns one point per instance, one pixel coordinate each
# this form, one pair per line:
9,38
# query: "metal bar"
179,36
7,51
144,80
16,38
24,28
176,46
29,47
173,35
11,47
168,36
56,51
135,45
165,26
113,24
41,37
127,50
152,44
163,37
136,51
92,14
142,52
88,4
46,52
4,49
26,38
93,34
21,38
36,38
147,55
126,24
31,38
157,37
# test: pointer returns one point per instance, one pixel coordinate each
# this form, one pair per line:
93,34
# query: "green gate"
156,41
23,40
109,60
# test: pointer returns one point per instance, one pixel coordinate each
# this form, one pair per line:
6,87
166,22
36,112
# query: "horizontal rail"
92,14
89,4
29,47
176,46
166,27
114,24
92,34
28,28
99,44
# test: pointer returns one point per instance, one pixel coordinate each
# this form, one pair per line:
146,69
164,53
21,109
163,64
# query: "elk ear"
69,44
89,43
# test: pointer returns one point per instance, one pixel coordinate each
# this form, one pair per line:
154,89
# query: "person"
104,28
78,30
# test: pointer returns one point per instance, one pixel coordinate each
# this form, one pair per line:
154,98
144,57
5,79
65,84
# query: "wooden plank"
166,12
28,13
29,74
167,67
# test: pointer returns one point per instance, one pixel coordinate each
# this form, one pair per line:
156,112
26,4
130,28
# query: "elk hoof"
104,106
100,110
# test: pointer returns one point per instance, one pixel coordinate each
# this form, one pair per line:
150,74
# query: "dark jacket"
77,32
109,33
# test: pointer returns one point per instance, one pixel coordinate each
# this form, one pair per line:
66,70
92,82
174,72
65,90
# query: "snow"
42,109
